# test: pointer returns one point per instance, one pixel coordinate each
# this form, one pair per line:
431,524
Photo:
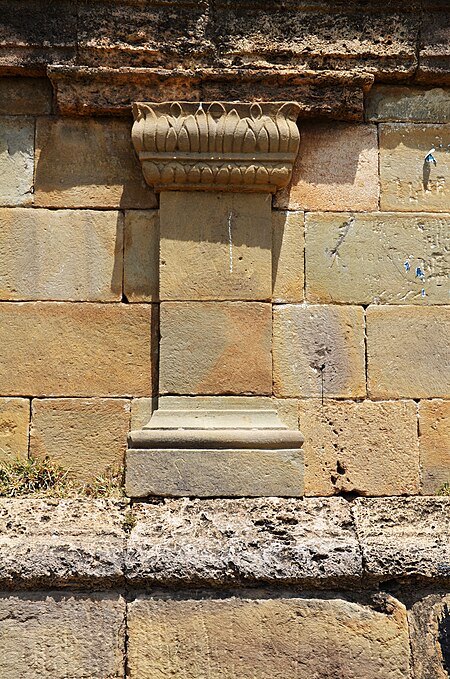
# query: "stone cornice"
216,146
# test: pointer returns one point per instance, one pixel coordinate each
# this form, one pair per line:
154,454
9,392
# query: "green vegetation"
444,489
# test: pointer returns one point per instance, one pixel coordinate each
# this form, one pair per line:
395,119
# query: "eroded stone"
14,425
25,96
429,623
399,103
16,160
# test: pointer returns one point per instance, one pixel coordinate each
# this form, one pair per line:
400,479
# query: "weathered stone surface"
407,349
242,541
141,411
215,348
399,103
408,181
287,256
54,543
404,537
75,349
85,436
429,621
434,55
16,160
265,637
434,444
336,169
60,255
14,424
215,246
141,247
55,635
305,338
364,447
365,258
88,163
25,96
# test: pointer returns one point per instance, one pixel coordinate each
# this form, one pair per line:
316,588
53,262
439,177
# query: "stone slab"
25,96
14,428
288,256
400,103
264,637
434,444
429,621
206,472
16,160
141,256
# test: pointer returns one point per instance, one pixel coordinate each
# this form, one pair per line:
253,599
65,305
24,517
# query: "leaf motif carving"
231,122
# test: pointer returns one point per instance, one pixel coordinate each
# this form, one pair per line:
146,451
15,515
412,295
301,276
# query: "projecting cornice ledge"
216,146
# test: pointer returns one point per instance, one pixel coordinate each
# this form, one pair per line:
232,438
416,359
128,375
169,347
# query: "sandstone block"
404,537
364,447
141,265
238,541
56,635
305,338
25,96
408,181
434,444
399,103
264,637
75,349
215,348
336,169
60,255
59,543
429,619
14,425
88,163
16,160
85,436
364,258
215,246
288,256
407,351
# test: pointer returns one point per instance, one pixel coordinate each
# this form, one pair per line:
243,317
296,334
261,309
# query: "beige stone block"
60,349
215,246
336,168
60,255
16,160
215,348
366,447
85,436
408,351
408,182
141,256
428,624
434,444
288,256
365,258
305,338
400,103
25,96
88,163
14,424
265,638
55,635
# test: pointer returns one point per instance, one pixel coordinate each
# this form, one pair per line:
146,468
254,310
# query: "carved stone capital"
185,146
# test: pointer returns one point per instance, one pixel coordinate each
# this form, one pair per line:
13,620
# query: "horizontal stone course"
401,103
25,96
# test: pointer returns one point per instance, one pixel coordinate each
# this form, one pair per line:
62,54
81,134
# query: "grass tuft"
444,489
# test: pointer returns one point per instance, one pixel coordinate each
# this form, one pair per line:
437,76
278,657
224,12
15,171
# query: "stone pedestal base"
215,451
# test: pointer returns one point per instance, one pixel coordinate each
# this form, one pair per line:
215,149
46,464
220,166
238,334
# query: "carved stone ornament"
216,146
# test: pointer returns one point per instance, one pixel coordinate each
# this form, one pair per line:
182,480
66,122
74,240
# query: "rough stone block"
85,436
434,444
16,160
429,620
264,637
434,55
404,537
408,181
14,425
25,96
215,246
364,447
336,169
215,348
407,351
75,349
364,258
288,256
55,635
59,543
88,163
60,255
141,258
305,338
400,103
